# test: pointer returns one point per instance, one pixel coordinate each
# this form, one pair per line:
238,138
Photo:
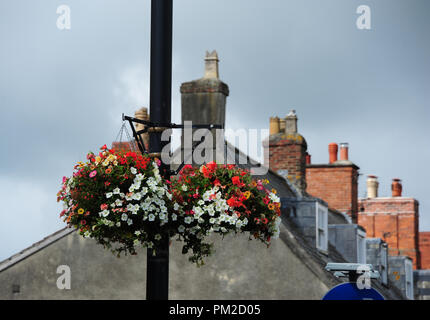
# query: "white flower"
104,213
118,202
144,191
149,244
181,229
124,217
133,170
212,220
274,197
151,217
188,220
129,222
109,194
157,236
200,202
184,187
174,217
129,197
137,233
118,224
116,191
137,196
176,206
139,177
87,234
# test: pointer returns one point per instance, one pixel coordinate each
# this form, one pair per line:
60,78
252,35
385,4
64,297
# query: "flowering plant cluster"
222,199
120,199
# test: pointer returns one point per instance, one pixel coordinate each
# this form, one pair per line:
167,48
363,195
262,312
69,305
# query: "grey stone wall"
240,269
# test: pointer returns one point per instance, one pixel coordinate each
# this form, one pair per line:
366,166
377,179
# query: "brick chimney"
335,182
204,100
287,151
372,186
395,220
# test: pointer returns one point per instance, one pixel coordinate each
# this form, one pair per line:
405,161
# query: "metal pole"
157,272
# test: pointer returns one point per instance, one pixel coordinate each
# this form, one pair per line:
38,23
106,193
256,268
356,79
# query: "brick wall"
395,220
288,152
424,240
336,184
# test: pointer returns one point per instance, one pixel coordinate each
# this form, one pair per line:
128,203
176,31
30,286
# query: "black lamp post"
157,274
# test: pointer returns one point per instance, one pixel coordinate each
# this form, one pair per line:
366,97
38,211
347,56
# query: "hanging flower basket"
120,199
223,199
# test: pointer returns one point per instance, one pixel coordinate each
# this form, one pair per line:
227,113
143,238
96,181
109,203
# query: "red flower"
212,166
217,182
104,147
206,172
236,181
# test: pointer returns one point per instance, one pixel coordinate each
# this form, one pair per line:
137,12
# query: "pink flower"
104,206
93,173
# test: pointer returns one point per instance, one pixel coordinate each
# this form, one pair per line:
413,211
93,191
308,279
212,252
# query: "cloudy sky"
62,92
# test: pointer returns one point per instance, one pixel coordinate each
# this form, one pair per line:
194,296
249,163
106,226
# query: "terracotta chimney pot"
332,151
396,188
308,158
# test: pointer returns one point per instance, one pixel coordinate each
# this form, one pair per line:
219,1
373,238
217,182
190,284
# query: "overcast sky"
62,92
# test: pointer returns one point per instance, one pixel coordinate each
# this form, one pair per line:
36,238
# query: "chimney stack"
343,153
396,188
286,151
204,101
372,186
332,151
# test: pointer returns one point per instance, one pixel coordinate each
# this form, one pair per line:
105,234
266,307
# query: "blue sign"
349,291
